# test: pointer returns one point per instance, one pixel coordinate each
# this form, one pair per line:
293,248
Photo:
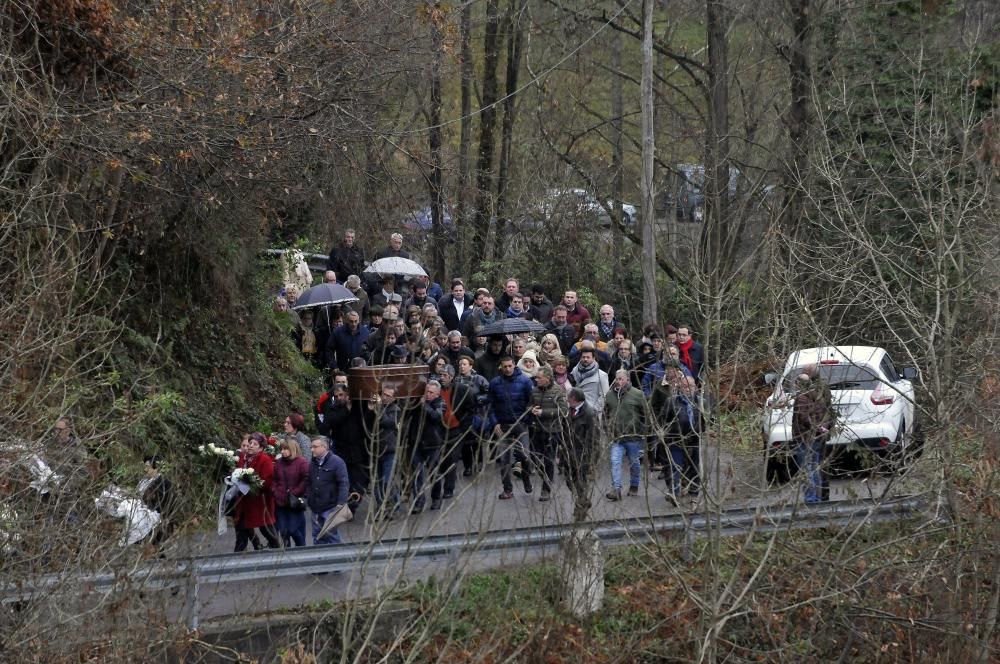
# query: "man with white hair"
607,324
395,248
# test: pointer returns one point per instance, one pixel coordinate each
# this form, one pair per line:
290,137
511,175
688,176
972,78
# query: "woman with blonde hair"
549,350
291,478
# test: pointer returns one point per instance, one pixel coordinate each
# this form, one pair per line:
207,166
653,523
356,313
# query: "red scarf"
685,353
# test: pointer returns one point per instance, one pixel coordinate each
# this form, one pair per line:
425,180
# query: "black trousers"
544,445
246,536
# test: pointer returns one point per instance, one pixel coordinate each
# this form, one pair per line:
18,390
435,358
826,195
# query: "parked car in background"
420,223
685,191
873,400
578,205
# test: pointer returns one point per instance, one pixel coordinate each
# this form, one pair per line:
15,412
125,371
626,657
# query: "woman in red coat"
256,510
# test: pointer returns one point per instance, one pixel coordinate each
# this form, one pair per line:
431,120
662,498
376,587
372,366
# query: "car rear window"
839,377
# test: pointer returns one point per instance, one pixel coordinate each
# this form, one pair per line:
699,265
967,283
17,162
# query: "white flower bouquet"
212,451
247,480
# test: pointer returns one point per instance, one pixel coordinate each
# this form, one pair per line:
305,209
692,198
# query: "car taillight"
829,361
882,398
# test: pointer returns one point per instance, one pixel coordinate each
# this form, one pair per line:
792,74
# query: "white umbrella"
396,265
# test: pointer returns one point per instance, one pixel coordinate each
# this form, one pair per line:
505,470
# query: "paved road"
475,509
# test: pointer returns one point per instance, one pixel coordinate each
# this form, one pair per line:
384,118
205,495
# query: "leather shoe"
614,495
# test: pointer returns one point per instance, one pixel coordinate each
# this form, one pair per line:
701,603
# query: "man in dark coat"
328,487
362,306
418,295
548,412
484,315
488,364
383,432
342,424
578,455
455,306
540,306
692,355
455,350
510,289
347,258
347,342
395,248
560,327
426,435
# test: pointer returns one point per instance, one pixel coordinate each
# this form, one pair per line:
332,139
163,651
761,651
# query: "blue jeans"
291,526
383,478
332,537
809,456
619,449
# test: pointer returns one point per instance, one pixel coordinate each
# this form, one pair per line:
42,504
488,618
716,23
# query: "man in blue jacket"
510,398
347,341
327,487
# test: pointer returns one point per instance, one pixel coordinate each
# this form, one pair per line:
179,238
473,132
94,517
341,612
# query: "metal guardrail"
231,568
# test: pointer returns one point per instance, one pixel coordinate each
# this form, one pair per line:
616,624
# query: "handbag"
296,502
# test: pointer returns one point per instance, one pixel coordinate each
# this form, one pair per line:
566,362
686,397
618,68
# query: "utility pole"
649,307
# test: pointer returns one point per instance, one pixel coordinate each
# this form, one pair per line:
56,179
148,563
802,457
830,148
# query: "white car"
582,201
874,403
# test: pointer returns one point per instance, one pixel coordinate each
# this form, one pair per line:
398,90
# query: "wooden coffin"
409,381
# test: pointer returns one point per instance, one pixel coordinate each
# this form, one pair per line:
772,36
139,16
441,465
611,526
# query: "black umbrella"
322,295
511,326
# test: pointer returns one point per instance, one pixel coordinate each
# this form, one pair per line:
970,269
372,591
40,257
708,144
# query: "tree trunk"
487,127
465,138
649,305
798,117
582,571
716,234
618,154
438,231
515,41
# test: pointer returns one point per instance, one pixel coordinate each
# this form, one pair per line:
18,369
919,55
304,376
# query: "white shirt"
459,306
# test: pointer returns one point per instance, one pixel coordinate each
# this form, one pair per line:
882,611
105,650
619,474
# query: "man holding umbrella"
478,319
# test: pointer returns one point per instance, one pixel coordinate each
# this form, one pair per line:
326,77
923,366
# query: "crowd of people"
531,403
